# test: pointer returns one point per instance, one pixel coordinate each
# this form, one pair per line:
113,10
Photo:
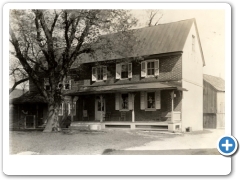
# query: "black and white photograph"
97,81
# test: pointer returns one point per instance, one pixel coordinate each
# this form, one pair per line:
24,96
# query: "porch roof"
126,88
28,97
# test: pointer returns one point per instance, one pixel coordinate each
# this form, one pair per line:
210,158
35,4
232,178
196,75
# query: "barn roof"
159,39
217,82
28,97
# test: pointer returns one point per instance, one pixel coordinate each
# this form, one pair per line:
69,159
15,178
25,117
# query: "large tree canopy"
48,42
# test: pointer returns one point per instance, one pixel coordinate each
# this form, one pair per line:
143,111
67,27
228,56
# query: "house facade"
161,90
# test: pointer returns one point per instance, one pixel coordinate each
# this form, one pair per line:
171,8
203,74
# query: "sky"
211,27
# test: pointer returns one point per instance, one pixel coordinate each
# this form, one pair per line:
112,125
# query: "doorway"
100,107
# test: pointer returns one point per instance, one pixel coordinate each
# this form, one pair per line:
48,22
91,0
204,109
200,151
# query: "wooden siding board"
209,99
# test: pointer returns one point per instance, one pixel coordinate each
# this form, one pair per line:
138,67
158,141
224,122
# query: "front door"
99,107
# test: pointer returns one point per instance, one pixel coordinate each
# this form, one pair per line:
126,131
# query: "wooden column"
101,117
36,119
71,106
133,112
172,98
19,118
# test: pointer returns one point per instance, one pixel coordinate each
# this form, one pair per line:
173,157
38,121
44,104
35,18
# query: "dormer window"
150,68
99,73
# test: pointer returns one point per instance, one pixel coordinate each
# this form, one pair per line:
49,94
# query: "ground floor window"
124,99
151,100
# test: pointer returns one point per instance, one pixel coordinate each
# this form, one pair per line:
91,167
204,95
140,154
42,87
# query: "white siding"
192,80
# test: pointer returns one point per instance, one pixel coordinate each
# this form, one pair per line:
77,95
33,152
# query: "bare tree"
154,17
48,42
18,75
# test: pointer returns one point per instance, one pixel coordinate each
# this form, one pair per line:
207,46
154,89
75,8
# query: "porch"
140,106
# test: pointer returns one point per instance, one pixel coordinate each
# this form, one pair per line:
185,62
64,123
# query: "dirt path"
194,140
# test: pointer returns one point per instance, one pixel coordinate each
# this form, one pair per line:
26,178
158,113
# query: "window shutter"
142,100
117,101
74,108
118,71
143,69
129,70
156,66
104,73
61,109
94,73
158,99
130,101
69,108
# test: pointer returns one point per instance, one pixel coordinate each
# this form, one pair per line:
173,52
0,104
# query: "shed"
213,102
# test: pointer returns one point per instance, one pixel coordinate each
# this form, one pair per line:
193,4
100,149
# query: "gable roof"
217,82
159,39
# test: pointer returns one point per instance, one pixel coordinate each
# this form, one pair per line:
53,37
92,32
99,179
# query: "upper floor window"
65,84
123,70
150,68
47,84
99,73
193,43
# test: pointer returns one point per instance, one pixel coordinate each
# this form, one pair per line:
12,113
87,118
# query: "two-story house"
162,90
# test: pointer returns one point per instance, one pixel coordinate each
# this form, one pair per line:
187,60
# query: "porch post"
71,106
36,118
18,116
172,98
133,113
101,118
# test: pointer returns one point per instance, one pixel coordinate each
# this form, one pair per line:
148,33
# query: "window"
151,100
150,68
124,101
66,84
99,73
123,70
193,43
47,84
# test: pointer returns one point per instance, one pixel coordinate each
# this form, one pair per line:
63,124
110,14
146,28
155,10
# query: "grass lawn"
77,142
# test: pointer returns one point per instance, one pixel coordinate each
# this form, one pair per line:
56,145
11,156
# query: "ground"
113,141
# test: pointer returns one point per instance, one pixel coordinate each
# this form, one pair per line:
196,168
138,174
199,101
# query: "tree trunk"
52,120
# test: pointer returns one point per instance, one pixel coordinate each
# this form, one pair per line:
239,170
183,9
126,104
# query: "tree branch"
25,64
17,83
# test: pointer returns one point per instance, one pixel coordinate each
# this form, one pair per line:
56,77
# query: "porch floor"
143,125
